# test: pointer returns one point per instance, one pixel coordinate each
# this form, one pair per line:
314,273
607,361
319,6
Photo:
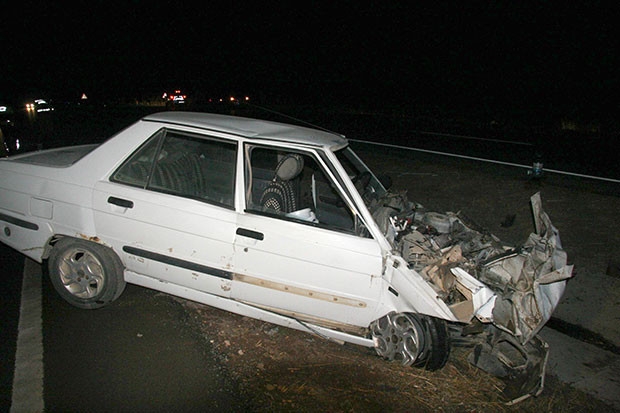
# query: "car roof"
252,128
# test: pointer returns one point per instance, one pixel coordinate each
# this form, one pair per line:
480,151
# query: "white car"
284,224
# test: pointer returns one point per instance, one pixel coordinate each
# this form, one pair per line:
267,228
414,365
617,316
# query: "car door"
322,270
168,210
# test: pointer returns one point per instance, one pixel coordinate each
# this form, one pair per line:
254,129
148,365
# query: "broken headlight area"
507,293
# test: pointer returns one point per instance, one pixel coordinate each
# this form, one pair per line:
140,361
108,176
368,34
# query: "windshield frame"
334,159
354,167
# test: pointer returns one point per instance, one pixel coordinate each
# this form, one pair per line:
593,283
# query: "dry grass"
280,369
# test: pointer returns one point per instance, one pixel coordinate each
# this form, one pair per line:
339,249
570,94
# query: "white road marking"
28,376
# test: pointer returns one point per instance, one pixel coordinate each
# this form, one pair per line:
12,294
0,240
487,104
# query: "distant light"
3,108
84,97
232,98
247,98
175,97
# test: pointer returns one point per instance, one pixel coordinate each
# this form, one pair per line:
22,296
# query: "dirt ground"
280,370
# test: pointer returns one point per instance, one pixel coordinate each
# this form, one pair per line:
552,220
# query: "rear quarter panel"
38,202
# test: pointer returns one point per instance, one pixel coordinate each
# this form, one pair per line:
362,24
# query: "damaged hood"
477,276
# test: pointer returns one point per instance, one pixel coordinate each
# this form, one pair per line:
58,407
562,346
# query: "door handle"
125,203
250,234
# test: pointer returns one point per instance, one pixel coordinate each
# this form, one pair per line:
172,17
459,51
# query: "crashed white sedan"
284,224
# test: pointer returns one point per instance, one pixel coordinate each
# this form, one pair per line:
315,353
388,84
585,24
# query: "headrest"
290,166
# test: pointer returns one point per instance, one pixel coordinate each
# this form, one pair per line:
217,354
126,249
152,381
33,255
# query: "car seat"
281,195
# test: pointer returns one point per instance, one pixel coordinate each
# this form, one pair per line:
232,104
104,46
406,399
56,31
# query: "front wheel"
85,274
412,339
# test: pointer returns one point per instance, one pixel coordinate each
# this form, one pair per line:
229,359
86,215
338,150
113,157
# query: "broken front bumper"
520,366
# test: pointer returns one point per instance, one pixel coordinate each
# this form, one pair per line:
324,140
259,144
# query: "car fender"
408,292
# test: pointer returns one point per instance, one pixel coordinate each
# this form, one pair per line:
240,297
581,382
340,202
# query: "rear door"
169,211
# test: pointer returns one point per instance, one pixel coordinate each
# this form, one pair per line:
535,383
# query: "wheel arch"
51,242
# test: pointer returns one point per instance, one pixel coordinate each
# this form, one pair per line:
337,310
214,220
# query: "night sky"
546,57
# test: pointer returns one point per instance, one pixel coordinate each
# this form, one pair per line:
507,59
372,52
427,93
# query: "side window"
184,165
135,171
292,185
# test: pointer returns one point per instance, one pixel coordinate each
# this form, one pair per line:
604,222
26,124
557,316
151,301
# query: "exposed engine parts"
500,295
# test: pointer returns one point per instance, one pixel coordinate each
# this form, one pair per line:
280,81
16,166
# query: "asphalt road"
11,268
139,354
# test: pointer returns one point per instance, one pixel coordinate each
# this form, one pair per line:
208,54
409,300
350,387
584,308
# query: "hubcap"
81,273
398,337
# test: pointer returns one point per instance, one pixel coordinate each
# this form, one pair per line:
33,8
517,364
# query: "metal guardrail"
474,158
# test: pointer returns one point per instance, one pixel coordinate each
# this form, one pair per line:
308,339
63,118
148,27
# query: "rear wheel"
85,274
412,339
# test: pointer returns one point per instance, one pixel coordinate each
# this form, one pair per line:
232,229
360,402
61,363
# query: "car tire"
85,274
412,339
437,343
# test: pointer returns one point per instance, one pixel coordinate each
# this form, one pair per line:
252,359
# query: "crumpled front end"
532,279
502,295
